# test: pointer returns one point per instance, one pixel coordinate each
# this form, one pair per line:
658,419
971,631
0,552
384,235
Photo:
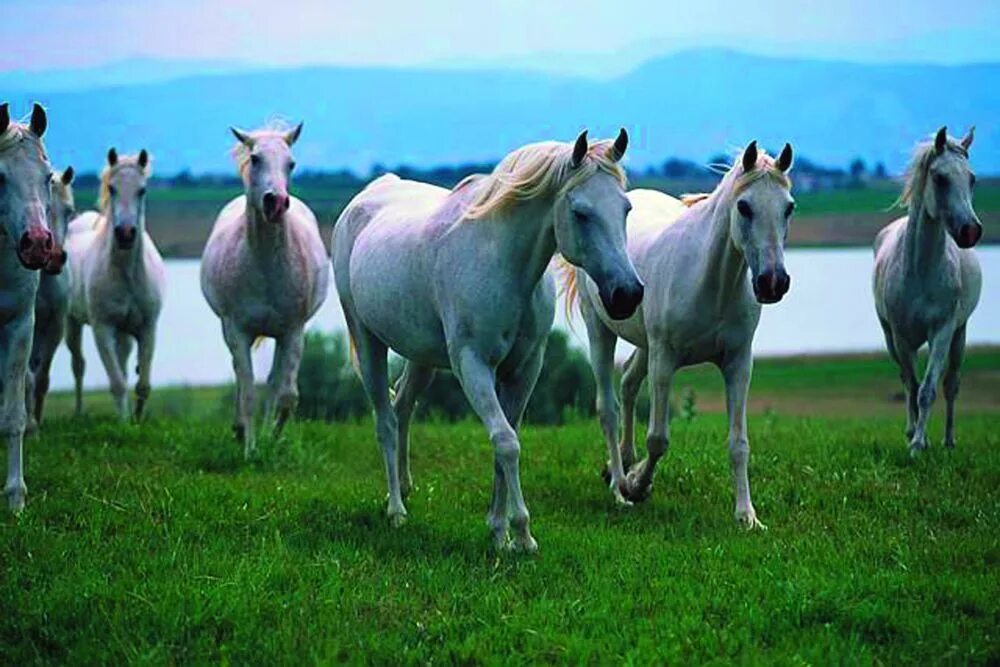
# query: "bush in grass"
329,389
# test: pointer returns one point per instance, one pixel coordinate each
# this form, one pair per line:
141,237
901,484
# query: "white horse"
457,279
51,302
927,279
700,306
26,246
264,272
117,281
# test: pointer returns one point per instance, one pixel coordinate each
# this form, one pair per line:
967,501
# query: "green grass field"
158,544
180,218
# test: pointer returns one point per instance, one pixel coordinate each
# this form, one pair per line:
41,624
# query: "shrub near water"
330,390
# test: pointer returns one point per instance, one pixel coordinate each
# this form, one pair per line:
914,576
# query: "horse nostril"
48,242
269,202
25,243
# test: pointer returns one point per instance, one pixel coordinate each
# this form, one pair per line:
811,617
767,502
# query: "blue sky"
553,34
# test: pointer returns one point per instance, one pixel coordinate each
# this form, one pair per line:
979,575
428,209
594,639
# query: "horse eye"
291,165
142,192
744,209
579,216
940,180
789,209
113,191
255,159
3,180
972,180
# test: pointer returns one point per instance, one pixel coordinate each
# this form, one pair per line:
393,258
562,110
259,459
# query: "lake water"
829,309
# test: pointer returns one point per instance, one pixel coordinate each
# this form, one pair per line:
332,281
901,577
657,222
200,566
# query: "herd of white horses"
465,279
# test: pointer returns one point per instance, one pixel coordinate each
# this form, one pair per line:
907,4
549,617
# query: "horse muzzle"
772,285
968,235
57,260
275,206
621,301
34,249
125,236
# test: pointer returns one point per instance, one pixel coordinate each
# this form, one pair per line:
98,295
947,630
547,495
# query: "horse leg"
736,371
143,385
106,339
602,362
285,377
636,369
413,382
239,343
15,347
513,391
372,358
46,343
479,384
74,340
906,357
951,377
940,344
640,477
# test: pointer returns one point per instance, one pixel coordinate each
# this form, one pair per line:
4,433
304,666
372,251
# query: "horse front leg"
45,350
737,372
413,382
602,362
285,377
143,385
478,381
74,341
636,369
940,345
15,347
661,373
106,340
239,343
951,377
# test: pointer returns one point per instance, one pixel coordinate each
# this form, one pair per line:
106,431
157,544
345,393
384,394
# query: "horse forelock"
915,178
19,136
538,170
274,129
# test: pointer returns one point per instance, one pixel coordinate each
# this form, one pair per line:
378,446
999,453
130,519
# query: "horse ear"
4,117
750,156
143,158
580,150
112,157
941,139
242,137
39,121
67,175
293,136
967,139
784,162
617,150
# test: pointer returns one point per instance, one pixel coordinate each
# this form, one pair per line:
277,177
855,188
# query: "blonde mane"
124,162
241,153
916,174
537,170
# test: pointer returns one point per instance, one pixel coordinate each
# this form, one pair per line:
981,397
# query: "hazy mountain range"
690,105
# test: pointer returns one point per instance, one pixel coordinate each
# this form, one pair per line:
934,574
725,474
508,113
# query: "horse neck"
526,236
924,246
723,268
264,236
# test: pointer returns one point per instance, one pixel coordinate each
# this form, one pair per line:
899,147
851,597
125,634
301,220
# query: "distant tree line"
813,175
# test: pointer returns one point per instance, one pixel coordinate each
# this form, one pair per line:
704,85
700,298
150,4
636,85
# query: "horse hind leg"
374,366
74,339
414,381
636,369
951,381
640,477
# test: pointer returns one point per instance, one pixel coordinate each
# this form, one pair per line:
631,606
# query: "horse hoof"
15,502
917,448
606,474
524,545
749,521
397,519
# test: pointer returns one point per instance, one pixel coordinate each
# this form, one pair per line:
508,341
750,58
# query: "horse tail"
691,199
352,353
570,286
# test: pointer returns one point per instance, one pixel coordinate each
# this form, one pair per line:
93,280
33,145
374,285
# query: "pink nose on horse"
969,234
275,205
35,247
